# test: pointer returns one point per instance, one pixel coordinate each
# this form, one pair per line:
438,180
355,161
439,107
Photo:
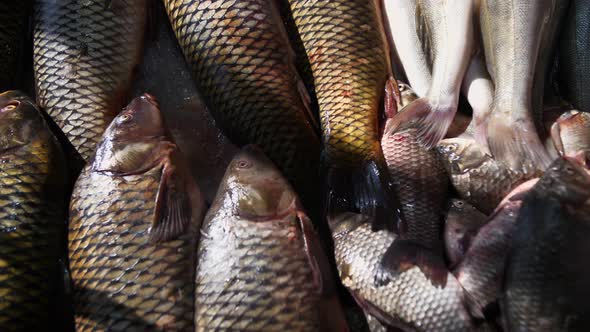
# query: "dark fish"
461,225
481,271
84,56
33,205
546,282
14,16
571,133
261,267
241,61
574,55
346,47
409,301
479,179
134,220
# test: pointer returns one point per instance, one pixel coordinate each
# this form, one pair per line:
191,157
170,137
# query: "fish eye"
125,118
10,107
459,204
451,148
401,87
244,164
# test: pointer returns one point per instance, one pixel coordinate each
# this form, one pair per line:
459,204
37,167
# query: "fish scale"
84,55
121,281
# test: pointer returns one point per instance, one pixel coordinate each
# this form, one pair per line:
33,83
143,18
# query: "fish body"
134,220
258,264
546,285
461,226
479,90
84,54
571,133
14,16
33,192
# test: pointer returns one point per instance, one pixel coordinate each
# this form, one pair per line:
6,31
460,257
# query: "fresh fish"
420,180
450,27
481,271
14,16
405,25
33,196
134,221
571,133
574,55
409,301
84,56
347,52
546,282
461,226
261,266
513,31
479,90
479,179
241,61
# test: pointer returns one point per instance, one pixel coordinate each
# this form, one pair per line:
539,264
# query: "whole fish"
409,301
481,271
574,55
347,52
14,16
420,180
546,282
241,61
84,56
33,192
261,267
513,31
450,27
479,179
461,226
571,133
134,220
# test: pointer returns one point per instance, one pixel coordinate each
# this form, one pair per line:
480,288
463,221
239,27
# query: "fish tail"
517,144
403,255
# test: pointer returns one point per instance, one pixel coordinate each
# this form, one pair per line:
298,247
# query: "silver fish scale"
84,54
410,299
254,276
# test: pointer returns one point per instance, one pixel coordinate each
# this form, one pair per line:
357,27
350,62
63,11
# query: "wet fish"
479,179
84,56
134,220
479,89
261,266
461,226
482,269
450,27
546,281
409,301
241,61
571,133
33,196
574,55
14,16
513,32
347,52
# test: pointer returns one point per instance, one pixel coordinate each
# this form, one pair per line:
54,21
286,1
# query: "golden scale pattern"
122,282
254,276
84,55
347,56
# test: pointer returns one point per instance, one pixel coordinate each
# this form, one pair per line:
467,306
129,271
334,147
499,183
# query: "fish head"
257,189
141,118
571,132
460,155
20,120
565,180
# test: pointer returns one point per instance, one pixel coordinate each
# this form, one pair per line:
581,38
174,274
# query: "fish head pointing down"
19,120
256,188
461,154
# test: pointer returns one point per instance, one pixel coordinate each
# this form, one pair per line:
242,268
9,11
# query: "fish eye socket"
459,204
451,147
125,118
401,87
10,107
244,164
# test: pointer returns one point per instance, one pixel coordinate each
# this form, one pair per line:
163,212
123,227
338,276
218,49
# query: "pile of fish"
295,165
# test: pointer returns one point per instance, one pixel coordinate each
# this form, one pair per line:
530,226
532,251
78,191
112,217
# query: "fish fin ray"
318,261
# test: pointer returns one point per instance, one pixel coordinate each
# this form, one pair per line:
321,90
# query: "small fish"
134,219
14,18
546,285
461,225
571,133
261,266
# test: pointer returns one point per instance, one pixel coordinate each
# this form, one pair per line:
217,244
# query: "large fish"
462,223
261,267
33,196
134,220
409,301
574,55
450,28
513,32
571,133
347,53
242,63
84,56
14,16
546,282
